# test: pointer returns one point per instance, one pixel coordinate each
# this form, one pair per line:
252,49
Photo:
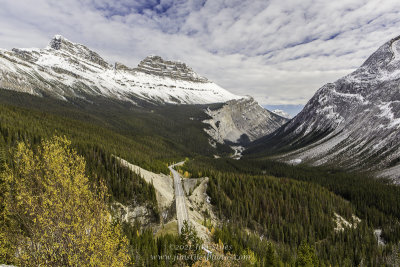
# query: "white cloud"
280,51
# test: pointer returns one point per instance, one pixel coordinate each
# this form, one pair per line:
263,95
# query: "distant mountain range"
353,123
282,113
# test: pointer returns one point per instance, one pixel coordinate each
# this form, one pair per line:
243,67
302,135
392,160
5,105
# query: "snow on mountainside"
353,123
65,69
282,113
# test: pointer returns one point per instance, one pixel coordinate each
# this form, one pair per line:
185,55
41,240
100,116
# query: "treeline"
166,250
236,241
164,132
31,126
350,247
150,138
97,145
99,131
283,210
287,212
375,200
146,250
124,185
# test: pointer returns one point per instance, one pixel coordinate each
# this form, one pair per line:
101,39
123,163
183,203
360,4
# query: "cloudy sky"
279,51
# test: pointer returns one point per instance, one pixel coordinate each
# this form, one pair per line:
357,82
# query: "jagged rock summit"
61,43
67,70
155,65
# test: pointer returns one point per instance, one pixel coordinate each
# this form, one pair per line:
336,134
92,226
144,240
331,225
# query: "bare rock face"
60,43
132,213
155,65
353,123
122,67
242,121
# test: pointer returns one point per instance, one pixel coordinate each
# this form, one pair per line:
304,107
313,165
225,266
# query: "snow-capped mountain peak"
282,113
65,69
60,43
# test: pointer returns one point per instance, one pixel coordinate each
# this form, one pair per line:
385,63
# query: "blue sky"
279,51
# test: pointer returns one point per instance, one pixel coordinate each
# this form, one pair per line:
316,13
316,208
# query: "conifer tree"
190,244
306,256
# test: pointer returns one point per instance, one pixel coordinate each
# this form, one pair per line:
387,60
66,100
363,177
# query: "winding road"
181,211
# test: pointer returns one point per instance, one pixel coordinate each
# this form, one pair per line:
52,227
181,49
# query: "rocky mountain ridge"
353,123
155,65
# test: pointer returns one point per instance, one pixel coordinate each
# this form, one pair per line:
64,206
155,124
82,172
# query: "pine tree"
190,245
270,259
306,256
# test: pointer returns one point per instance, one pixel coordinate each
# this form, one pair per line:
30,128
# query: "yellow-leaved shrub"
53,216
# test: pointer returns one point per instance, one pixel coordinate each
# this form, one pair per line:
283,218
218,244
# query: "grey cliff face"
241,121
353,123
155,65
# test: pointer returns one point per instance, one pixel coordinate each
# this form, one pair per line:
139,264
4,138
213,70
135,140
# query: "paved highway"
181,211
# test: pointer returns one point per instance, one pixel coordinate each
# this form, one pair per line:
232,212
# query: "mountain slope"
66,70
352,123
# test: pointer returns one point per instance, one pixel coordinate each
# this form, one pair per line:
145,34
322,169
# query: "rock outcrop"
81,51
242,121
155,65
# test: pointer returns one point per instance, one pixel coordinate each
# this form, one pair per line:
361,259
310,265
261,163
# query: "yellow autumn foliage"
53,216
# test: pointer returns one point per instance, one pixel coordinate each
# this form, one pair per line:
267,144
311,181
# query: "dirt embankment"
199,208
162,183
